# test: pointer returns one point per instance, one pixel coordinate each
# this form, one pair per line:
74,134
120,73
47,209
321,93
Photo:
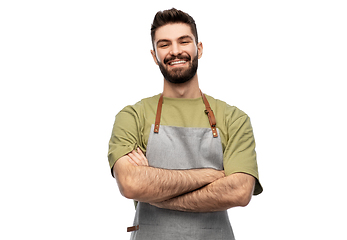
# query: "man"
184,157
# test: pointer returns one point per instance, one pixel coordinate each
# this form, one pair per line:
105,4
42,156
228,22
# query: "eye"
163,45
185,42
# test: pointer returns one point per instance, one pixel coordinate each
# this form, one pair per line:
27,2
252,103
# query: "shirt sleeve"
240,154
125,134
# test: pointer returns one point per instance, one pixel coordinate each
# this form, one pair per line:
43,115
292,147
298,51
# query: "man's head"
173,16
175,45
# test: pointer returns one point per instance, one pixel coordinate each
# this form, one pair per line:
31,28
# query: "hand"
222,172
137,158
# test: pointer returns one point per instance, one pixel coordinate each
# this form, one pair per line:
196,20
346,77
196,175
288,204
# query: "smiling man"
184,157
177,65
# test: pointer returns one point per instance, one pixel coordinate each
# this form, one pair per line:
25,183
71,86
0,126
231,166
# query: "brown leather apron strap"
133,228
210,116
208,111
157,118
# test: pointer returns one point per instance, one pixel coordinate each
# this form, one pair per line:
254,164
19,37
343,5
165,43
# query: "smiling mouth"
178,62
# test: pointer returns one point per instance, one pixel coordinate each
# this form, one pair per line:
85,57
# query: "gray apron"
182,148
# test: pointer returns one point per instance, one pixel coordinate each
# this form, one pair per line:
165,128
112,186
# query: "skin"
195,190
172,40
234,190
138,181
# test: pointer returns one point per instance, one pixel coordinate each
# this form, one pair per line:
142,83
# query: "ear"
154,57
200,49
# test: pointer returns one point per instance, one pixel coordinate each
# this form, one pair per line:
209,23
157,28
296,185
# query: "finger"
140,152
132,161
143,157
134,158
136,154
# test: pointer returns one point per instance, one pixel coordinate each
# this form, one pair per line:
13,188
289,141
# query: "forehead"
173,31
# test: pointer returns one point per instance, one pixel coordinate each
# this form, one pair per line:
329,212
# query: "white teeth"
177,62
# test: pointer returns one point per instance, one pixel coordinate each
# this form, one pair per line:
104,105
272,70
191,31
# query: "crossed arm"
194,190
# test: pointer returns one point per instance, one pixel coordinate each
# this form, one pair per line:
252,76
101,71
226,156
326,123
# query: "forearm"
156,185
232,191
149,184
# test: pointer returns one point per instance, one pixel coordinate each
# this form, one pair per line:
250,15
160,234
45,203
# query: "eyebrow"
180,38
185,36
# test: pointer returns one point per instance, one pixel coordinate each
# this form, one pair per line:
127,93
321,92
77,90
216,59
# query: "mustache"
180,57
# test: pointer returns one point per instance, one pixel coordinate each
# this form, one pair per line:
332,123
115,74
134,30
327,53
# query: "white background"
68,67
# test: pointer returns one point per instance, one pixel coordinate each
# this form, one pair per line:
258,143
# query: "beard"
179,75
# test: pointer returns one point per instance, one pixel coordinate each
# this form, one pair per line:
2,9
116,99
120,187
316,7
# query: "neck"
189,89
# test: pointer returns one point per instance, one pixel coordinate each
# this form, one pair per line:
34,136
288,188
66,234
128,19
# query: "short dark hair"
173,16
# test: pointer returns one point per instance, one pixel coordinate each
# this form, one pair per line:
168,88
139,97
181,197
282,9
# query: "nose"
175,49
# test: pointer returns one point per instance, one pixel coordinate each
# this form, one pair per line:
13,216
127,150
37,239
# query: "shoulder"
228,112
141,106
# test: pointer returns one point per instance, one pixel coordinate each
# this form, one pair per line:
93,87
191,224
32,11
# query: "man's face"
176,52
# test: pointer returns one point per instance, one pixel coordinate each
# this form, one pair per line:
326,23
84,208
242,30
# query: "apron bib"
182,148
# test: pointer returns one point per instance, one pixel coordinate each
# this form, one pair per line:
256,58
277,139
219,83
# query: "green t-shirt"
133,124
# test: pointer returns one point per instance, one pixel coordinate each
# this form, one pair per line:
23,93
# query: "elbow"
246,193
128,193
127,187
244,199
127,184
128,190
